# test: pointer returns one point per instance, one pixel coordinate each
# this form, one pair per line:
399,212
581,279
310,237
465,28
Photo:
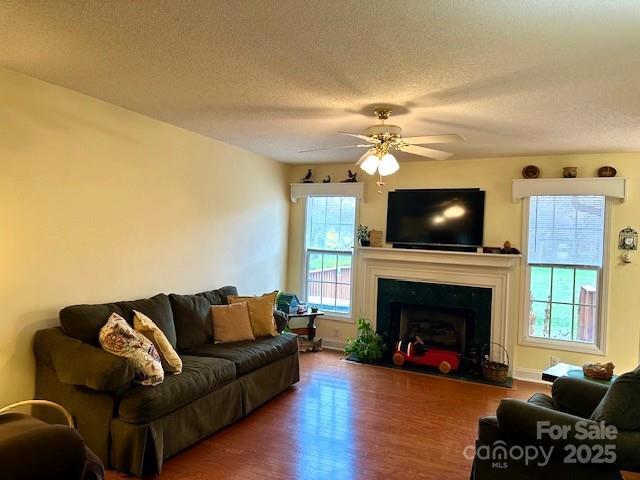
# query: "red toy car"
416,352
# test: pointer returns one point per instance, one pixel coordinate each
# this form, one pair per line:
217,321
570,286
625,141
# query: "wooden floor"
350,421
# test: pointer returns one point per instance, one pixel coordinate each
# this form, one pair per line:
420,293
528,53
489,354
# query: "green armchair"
584,430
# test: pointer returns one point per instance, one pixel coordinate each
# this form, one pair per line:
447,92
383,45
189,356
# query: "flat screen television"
447,219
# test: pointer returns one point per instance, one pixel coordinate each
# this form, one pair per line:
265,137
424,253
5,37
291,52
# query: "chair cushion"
251,354
29,448
621,404
200,375
85,321
543,400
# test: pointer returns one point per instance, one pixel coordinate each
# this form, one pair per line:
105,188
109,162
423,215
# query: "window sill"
336,317
575,347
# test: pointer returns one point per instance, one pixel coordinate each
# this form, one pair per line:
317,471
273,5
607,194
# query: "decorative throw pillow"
119,338
171,362
260,312
231,323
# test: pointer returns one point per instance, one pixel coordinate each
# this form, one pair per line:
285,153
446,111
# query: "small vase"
365,243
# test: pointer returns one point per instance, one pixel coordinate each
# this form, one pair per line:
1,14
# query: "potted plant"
364,235
367,346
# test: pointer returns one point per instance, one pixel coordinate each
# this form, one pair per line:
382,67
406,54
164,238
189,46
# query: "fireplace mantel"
494,271
494,260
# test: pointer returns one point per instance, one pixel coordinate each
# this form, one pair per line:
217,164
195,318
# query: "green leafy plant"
367,346
363,232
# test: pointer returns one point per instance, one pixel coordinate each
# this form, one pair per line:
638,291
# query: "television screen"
436,217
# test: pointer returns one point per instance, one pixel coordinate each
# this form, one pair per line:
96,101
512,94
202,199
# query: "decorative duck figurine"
307,177
327,179
351,177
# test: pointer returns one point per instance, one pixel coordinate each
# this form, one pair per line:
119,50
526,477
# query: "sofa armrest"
281,320
578,396
79,363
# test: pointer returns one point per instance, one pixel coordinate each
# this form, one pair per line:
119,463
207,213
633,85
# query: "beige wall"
98,203
503,220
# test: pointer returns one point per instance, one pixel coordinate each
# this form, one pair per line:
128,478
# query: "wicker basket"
495,371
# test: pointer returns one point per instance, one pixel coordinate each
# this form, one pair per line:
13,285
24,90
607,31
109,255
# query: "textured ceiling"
277,77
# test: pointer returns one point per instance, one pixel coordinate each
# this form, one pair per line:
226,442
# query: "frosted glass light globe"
388,165
370,164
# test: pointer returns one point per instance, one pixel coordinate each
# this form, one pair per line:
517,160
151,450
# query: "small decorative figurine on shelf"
607,172
508,249
307,177
570,172
351,177
530,172
327,179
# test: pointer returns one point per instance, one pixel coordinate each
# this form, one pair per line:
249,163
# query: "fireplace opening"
439,327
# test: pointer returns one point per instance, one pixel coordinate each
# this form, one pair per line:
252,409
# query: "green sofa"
134,428
588,431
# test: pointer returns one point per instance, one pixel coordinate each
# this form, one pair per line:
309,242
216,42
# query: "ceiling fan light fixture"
388,165
370,164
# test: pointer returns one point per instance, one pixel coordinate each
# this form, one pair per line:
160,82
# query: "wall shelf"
616,187
338,189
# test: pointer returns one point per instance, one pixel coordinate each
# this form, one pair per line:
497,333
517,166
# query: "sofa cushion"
85,321
251,354
200,375
192,316
219,296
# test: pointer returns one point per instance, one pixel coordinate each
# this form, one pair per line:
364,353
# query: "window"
329,239
566,238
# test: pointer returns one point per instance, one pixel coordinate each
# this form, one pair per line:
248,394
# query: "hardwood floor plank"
349,421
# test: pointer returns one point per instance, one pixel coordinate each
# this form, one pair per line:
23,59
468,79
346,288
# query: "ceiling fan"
383,139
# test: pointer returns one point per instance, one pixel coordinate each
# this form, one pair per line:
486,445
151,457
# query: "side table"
307,340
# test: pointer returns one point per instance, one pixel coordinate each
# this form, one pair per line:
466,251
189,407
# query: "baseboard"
333,344
528,375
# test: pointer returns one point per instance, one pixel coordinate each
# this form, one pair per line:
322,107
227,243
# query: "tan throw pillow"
260,312
119,338
171,362
231,323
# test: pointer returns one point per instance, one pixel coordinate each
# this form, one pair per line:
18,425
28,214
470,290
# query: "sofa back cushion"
621,404
219,296
85,321
192,315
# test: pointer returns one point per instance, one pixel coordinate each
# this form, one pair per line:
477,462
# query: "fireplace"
477,283
439,327
454,318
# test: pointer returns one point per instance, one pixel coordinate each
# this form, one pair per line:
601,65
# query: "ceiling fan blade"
425,152
371,151
426,139
335,148
362,137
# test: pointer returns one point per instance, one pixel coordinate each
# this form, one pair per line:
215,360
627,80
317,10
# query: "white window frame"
339,316
599,347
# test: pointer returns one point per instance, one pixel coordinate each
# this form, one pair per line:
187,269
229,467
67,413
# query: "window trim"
337,316
600,346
